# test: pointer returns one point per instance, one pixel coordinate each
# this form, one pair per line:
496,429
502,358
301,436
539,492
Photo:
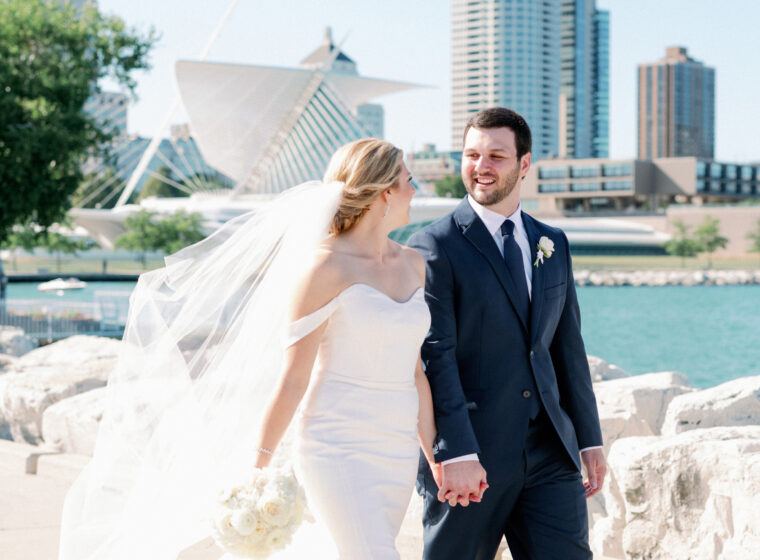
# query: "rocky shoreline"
684,464
585,277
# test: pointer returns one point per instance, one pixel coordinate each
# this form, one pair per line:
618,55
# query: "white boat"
59,285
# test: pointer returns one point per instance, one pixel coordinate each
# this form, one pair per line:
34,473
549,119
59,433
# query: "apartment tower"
676,98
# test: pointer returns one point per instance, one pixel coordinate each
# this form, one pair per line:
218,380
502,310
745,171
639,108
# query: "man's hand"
462,482
596,468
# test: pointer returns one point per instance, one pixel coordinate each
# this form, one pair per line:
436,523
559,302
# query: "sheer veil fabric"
201,353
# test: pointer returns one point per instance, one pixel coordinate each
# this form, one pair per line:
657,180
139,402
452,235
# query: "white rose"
223,525
278,538
546,245
274,510
243,521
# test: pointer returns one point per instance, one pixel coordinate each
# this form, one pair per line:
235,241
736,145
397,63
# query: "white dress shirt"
493,220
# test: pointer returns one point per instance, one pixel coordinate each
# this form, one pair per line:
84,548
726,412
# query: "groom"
507,367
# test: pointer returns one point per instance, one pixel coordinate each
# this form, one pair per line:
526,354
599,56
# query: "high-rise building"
547,60
676,107
506,52
584,83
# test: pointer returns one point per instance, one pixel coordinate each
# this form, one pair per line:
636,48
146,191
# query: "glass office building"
547,60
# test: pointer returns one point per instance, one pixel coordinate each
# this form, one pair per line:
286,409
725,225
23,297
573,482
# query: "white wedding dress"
356,447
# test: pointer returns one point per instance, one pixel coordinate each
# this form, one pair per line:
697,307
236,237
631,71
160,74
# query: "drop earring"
387,209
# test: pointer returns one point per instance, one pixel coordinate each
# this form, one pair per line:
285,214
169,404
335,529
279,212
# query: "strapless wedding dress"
356,444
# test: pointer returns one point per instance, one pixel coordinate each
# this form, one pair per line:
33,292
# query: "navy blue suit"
486,364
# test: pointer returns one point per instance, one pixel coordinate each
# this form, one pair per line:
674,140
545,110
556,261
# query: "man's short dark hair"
500,117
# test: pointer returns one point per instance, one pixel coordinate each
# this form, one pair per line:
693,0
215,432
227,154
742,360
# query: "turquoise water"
710,333
24,290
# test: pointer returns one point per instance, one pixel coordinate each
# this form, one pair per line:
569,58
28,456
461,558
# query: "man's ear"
524,165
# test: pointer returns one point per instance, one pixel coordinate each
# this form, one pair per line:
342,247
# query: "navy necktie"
514,259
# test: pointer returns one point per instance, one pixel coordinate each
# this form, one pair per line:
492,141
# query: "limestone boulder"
636,405
6,361
15,342
71,425
603,371
734,403
691,495
47,375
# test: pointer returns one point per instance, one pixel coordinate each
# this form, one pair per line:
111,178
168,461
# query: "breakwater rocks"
666,277
683,477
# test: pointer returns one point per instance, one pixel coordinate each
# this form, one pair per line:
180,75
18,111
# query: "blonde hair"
366,168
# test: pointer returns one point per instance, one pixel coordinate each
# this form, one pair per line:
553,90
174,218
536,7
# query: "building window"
731,172
584,171
616,169
746,172
584,186
552,187
701,185
701,169
618,186
554,172
716,171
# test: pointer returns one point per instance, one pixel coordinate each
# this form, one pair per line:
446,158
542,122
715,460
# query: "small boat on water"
59,285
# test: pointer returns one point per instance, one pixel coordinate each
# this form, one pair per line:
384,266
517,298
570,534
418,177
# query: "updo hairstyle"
366,168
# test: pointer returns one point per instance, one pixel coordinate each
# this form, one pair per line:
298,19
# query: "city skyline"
411,42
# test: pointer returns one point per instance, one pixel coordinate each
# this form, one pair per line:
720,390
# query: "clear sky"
408,40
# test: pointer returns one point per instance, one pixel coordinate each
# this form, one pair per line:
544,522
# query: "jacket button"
526,394
532,354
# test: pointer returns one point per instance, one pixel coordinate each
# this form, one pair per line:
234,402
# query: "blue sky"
408,40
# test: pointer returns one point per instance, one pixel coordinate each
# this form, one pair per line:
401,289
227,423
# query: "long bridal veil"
202,350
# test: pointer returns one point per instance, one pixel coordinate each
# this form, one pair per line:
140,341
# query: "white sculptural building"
268,129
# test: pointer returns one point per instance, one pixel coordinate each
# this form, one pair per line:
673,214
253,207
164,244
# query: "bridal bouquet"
256,519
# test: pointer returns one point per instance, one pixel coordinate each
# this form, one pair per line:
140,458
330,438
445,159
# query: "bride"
305,308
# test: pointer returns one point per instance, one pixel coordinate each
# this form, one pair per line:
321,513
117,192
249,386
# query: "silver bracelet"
265,450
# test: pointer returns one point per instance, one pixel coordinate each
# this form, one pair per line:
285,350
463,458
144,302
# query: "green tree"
141,234
146,231
51,59
57,244
450,186
709,238
155,186
32,236
682,244
25,238
754,236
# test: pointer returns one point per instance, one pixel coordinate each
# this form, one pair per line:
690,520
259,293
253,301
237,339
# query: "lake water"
710,333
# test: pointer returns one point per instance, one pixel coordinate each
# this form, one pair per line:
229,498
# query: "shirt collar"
493,220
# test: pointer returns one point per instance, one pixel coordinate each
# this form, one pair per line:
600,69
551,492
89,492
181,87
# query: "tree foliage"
51,58
683,244
31,236
146,231
754,236
708,237
450,186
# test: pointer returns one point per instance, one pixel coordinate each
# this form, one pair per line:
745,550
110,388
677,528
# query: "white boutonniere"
545,250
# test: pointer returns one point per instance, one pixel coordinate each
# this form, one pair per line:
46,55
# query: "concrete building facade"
676,107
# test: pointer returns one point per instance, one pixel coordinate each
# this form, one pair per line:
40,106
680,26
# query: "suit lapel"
474,230
537,283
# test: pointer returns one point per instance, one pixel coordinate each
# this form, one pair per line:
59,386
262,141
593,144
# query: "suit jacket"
485,362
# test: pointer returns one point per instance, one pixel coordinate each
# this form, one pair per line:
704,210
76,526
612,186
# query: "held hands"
460,483
596,468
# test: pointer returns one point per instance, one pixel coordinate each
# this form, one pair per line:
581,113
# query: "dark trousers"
540,509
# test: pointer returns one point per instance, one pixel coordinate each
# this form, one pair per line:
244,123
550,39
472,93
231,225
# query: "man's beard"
498,192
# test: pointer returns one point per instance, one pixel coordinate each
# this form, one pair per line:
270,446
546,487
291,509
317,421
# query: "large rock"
71,425
734,403
628,407
6,361
14,341
693,495
603,371
636,406
47,375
